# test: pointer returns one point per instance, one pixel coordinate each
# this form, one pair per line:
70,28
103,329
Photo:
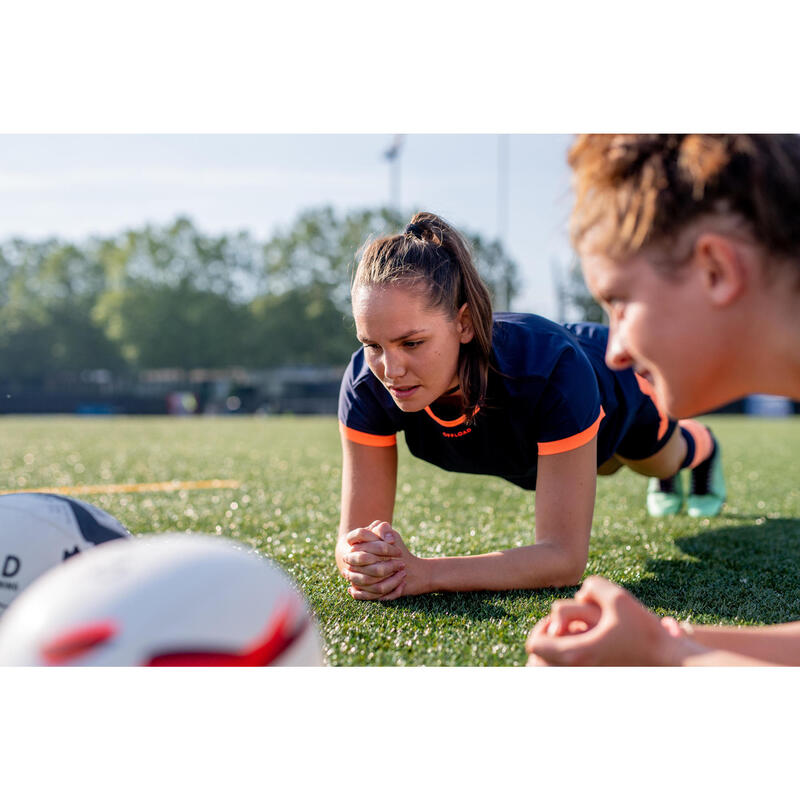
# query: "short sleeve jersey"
549,392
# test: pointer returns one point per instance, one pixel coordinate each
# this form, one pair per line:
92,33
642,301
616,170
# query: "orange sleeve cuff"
369,439
572,442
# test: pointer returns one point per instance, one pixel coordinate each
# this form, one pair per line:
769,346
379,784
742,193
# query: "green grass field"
742,567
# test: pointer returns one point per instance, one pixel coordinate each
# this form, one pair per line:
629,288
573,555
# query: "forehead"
601,271
391,310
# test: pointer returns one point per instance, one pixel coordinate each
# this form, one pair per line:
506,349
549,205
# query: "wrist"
426,572
676,645
341,548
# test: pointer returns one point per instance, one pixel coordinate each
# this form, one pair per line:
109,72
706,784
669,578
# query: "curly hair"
635,190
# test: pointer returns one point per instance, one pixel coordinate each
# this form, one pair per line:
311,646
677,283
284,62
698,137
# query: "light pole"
502,210
392,155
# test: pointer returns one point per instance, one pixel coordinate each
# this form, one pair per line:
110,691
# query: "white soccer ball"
162,600
39,531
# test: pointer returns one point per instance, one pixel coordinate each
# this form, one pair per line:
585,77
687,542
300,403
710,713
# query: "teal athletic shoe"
664,497
708,487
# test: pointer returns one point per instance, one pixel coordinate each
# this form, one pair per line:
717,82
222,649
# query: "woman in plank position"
511,395
692,244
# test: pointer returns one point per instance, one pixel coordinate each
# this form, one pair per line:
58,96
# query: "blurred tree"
301,326
47,291
176,297
173,326
575,300
321,248
179,255
172,296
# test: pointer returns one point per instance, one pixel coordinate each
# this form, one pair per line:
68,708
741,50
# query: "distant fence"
295,390
44,401
286,390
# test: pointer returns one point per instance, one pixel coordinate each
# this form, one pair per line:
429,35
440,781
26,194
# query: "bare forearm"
775,644
530,567
722,658
341,547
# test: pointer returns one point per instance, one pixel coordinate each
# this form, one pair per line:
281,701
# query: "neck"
771,343
450,399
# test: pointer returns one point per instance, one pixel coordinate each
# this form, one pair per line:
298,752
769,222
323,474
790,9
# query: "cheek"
375,364
641,328
445,360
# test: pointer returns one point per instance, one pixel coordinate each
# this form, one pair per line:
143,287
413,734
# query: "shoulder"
590,335
556,377
530,346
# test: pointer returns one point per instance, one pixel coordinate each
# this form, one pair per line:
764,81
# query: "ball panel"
39,531
96,526
172,599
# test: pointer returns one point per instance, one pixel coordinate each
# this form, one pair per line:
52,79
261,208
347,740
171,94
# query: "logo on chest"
457,435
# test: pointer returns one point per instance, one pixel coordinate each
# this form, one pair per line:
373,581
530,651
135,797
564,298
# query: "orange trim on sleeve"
572,442
645,387
369,439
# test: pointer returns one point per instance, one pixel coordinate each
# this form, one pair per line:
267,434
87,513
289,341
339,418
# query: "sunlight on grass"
738,568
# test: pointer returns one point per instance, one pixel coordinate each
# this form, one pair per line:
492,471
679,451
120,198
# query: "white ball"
162,600
39,531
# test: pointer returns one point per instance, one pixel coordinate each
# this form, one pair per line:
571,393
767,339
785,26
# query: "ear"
466,330
722,268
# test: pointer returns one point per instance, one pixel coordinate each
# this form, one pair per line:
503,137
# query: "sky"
72,186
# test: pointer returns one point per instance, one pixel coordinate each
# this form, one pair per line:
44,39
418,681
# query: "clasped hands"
378,565
604,625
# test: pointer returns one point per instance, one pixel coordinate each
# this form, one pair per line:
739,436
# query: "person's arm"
565,491
606,626
369,478
776,644
564,507
369,483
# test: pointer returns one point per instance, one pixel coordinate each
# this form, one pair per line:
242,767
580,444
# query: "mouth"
402,392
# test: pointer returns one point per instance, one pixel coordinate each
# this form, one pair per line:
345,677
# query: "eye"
412,345
612,303
615,310
373,347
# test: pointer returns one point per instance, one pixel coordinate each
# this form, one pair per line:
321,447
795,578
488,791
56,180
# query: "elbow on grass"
568,578
568,571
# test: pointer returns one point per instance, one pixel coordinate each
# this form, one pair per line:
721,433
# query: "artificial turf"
742,567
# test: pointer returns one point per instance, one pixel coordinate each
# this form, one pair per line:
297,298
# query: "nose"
393,365
617,356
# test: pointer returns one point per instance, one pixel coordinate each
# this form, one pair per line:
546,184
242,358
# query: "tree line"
174,296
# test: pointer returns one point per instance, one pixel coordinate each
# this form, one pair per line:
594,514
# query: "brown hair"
645,188
435,255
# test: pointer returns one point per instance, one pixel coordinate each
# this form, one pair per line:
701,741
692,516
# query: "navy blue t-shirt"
550,392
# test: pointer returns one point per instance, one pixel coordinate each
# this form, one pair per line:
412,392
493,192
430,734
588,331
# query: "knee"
609,467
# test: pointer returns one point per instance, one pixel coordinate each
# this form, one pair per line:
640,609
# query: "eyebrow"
408,335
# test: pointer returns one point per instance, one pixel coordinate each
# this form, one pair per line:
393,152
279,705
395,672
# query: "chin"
684,405
411,405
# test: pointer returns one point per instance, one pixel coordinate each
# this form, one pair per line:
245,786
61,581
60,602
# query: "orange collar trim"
448,423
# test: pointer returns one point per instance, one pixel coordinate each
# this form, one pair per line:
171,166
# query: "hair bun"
703,158
627,153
